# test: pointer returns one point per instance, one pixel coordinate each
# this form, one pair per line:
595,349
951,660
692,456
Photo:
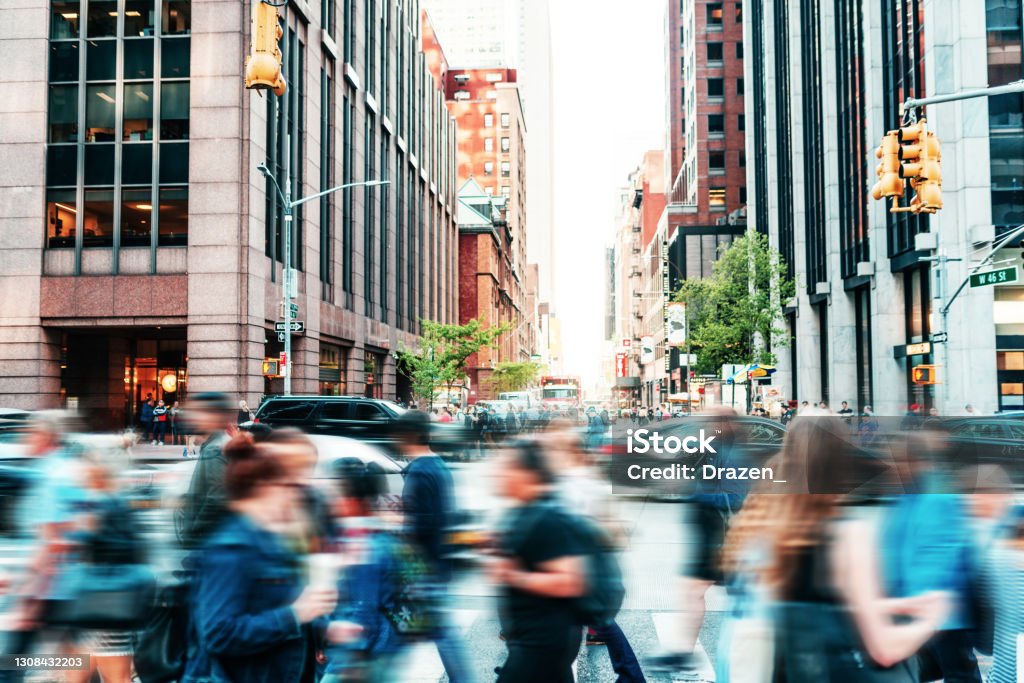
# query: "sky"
609,93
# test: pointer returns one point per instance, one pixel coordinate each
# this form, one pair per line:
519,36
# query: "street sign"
921,349
280,336
294,308
940,338
994,277
297,326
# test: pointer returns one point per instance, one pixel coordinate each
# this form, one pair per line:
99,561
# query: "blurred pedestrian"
708,512
1007,568
819,558
846,412
540,570
46,515
586,493
256,618
428,505
312,528
108,536
211,418
364,643
927,546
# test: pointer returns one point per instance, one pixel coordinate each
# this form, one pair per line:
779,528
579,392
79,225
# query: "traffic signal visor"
888,171
263,65
911,150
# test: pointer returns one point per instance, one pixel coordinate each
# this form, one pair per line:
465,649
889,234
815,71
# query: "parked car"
370,420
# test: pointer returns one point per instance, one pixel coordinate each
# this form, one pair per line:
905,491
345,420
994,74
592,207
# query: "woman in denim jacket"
256,620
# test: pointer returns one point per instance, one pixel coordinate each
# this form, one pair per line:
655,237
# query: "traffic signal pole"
913,104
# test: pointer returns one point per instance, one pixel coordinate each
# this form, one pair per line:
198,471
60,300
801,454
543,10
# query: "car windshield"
562,392
394,407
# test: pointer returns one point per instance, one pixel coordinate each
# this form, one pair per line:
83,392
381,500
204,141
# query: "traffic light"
923,374
890,183
263,65
919,162
928,197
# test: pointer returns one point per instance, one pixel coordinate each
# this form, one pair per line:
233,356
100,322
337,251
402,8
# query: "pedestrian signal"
923,374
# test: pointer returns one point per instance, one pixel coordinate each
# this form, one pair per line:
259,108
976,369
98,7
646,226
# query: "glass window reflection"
102,19
98,218
173,217
174,99
138,112
100,113
174,58
137,164
64,20
61,215
177,17
136,217
174,162
61,165
138,58
64,62
63,113
99,165
138,18
101,60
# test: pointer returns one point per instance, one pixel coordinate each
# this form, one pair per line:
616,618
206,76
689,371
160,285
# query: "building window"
716,87
784,141
716,124
504,120
714,15
369,217
370,45
716,162
743,159
505,145
739,86
506,169
488,168
743,196
850,139
278,130
741,122
739,50
739,12
716,197
327,16
862,311
131,135
506,191
488,144
813,146
715,52
384,196
326,182
347,34
332,370
348,116
488,120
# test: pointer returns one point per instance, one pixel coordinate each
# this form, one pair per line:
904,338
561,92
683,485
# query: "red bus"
560,394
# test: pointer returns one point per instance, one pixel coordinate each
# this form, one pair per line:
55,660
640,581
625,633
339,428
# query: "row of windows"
118,123
715,13
506,144
716,51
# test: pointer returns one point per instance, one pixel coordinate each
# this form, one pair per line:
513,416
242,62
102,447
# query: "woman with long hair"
803,540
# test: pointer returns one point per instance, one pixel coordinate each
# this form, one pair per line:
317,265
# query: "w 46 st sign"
994,277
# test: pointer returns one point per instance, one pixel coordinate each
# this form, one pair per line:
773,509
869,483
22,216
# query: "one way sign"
297,326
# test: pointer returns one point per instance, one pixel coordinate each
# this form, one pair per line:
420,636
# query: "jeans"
624,661
452,652
949,656
159,431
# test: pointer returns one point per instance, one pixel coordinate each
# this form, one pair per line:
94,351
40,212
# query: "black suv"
366,419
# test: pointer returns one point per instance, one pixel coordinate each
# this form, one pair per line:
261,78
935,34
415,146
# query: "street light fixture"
288,284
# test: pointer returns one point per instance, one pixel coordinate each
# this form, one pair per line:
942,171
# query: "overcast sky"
609,83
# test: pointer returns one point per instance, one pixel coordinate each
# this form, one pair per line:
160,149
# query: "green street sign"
994,277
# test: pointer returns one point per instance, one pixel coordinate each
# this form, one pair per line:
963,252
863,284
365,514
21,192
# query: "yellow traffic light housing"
912,154
888,170
263,65
923,374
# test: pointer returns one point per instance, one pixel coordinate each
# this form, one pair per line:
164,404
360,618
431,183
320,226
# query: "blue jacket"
926,546
246,582
146,414
365,590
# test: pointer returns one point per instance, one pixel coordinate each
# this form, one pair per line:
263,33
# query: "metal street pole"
288,283
914,103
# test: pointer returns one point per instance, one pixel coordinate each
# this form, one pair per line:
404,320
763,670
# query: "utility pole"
289,288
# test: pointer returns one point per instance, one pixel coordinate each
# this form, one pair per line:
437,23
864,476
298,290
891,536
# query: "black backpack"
605,590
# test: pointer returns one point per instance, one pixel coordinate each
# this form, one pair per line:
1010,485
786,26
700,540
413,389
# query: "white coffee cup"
323,570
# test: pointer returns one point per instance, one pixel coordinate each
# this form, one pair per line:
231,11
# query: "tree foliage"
442,354
513,376
735,316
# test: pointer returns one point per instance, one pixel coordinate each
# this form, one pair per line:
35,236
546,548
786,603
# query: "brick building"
141,247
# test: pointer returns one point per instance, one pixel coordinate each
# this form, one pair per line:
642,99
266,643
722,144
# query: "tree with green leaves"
735,316
443,353
509,376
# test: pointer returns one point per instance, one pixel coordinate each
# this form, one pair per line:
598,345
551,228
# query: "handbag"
161,646
102,596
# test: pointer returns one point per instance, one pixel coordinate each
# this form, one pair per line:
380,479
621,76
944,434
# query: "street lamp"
288,284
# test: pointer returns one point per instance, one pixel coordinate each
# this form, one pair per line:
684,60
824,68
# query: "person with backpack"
364,642
428,506
584,491
540,568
